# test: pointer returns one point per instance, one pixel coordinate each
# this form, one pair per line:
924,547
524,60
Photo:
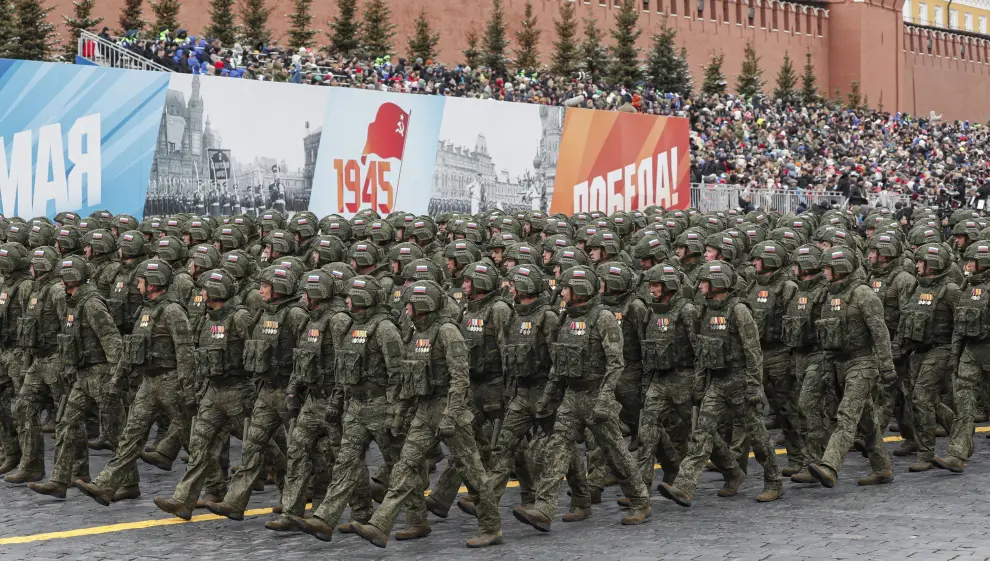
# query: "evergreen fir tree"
494,45
378,30
34,38
130,17
166,15
300,32
223,22
855,98
594,55
8,27
625,68
786,81
668,71
344,31
715,83
528,39
423,42
809,87
255,16
472,56
565,49
750,79
82,20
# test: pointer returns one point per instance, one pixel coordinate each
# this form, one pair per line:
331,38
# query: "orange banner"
612,161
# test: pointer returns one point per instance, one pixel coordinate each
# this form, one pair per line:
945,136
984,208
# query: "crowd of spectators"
757,143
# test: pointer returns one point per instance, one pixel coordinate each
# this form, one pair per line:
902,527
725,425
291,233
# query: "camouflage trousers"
857,383
931,371
726,398
11,375
783,390
574,416
157,394
409,473
87,394
365,421
312,448
268,415
816,409
42,385
665,423
226,403
486,408
895,400
974,369
629,394
511,451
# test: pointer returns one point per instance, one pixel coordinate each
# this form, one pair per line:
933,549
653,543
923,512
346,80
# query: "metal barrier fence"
94,48
707,198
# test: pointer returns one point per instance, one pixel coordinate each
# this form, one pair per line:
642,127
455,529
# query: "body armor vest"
150,345
927,316
424,365
78,342
578,352
309,364
196,308
269,351
484,356
39,327
882,285
220,351
719,345
972,316
527,354
359,358
666,344
631,349
797,323
838,330
124,299
766,303
10,308
104,271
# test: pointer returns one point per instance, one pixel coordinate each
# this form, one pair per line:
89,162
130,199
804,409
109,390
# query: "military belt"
365,391
531,382
584,384
279,383
482,377
849,355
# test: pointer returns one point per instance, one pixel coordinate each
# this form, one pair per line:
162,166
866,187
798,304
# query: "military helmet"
969,228
123,223
773,254
205,256
399,220
381,232
961,215
174,226
979,252
787,237
272,220
422,229
359,226
100,241
557,240
463,252
220,284
484,277
303,225
337,227
132,244
808,258
405,252
582,280
170,249
667,275
920,235
155,272
624,223
44,259
523,254
421,269
558,227
719,274
618,277
536,220
842,259
693,239
238,263
886,245
101,218
585,233
567,257
367,254
199,230
340,273
470,230
41,234
935,255
66,218
506,225
652,246
364,291
527,279
74,269
283,279
67,238
319,285
17,231
607,240
289,262
329,248
503,240
724,243
281,241
424,295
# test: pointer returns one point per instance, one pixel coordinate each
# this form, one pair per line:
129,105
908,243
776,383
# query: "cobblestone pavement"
933,516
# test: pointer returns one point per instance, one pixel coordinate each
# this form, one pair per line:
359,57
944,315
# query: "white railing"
710,197
94,48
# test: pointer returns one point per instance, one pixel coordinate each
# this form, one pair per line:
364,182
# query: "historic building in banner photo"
184,138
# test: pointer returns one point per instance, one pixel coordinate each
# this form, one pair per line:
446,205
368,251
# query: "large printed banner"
612,161
76,138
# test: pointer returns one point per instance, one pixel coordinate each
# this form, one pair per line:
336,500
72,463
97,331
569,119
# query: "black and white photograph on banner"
217,154
503,155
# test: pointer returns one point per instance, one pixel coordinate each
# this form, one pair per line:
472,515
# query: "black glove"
446,427
543,408
293,404
602,411
888,377
333,414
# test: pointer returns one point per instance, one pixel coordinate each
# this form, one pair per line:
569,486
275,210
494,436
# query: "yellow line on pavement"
142,524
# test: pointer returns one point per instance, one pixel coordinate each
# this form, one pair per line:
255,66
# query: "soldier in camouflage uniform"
423,232
37,332
15,296
268,354
925,327
90,346
369,371
459,255
228,391
435,376
970,352
483,323
728,380
587,363
100,248
172,251
243,268
369,259
202,257
125,299
689,247
277,244
160,350
852,332
894,285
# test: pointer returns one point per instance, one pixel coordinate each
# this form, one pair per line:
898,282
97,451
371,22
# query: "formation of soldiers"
509,340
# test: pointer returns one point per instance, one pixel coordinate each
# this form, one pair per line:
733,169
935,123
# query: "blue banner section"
76,138
84,61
